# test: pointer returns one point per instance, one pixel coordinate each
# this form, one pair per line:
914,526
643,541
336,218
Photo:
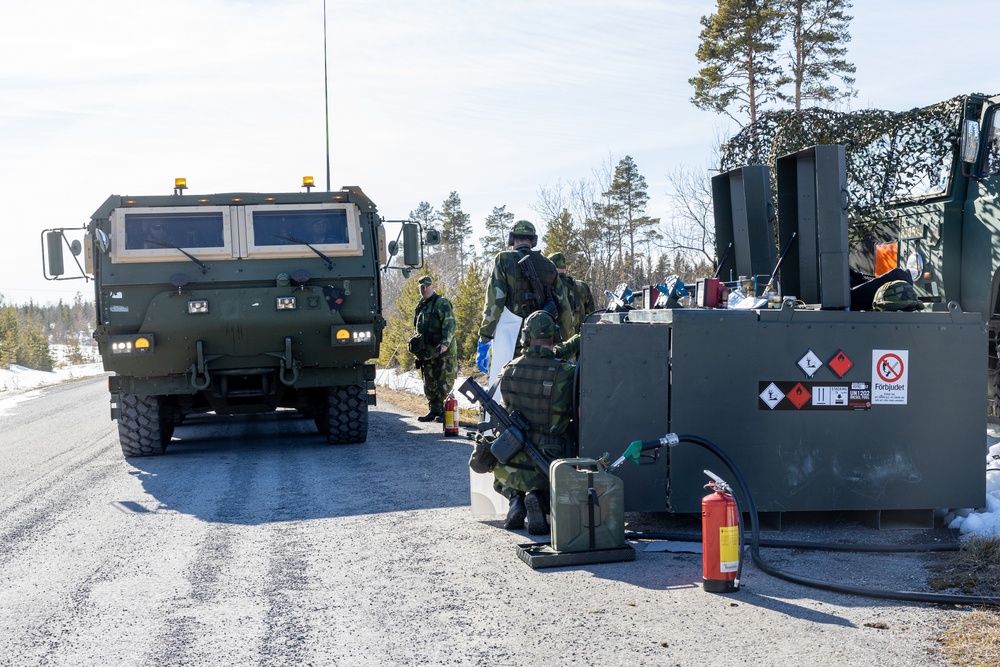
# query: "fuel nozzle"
635,450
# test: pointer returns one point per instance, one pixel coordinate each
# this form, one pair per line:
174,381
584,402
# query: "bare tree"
690,229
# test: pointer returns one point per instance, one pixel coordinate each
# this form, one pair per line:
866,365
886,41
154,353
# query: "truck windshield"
322,227
181,230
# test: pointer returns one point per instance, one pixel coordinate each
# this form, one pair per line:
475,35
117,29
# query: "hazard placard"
778,395
890,373
840,363
810,363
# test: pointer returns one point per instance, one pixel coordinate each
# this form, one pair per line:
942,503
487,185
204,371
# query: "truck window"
184,230
992,161
283,230
148,234
315,227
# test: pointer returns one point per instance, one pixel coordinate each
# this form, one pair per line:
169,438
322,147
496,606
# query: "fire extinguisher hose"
751,509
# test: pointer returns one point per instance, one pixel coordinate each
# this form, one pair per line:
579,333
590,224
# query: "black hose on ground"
908,596
815,546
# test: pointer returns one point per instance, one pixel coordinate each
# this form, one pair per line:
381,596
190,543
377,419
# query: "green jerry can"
588,506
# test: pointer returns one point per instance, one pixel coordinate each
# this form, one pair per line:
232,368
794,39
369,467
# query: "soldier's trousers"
439,380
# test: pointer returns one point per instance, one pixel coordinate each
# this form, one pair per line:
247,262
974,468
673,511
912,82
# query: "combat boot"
428,417
535,505
515,513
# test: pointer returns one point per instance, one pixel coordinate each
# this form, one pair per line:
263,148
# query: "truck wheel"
347,419
140,428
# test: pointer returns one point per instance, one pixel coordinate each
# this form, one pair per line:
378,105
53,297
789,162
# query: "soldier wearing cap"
580,297
511,288
539,385
433,345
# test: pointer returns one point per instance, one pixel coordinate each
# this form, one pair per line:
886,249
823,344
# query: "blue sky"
493,100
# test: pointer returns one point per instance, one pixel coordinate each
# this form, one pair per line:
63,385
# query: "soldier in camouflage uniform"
510,288
539,385
434,320
580,296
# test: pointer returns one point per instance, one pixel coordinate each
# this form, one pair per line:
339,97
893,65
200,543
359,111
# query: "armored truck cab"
948,239
235,303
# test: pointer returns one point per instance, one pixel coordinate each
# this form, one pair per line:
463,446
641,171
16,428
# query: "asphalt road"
252,542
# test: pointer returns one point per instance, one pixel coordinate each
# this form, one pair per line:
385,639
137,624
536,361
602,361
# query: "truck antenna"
326,100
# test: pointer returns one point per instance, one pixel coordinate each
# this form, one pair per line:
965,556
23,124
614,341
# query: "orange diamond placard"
840,364
799,396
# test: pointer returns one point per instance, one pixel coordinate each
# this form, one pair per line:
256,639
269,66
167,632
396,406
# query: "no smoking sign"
889,376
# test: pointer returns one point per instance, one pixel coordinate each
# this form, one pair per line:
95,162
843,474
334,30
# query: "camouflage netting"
890,155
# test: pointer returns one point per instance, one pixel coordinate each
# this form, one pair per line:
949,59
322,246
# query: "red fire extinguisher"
720,538
451,416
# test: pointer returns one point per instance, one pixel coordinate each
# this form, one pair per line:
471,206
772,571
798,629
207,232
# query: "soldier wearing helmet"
511,288
539,385
580,296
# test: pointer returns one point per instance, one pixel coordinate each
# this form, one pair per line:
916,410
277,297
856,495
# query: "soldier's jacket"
509,288
568,350
580,298
435,318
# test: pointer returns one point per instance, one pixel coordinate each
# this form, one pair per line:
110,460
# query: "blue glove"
483,356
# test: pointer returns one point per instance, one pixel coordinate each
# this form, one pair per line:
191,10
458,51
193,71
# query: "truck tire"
141,431
347,418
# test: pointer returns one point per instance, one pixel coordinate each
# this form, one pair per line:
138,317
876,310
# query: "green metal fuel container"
588,506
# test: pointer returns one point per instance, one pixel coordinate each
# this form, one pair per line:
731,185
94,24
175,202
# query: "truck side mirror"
54,254
411,244
969,149
432,237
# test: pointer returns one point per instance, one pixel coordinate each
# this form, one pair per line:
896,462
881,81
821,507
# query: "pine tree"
468,305
565,236
627,213
498,224
819,31
425,214
456,226
737,49
9,343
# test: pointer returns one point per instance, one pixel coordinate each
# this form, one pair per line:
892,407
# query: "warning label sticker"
840,364
890,373
775,395
810,363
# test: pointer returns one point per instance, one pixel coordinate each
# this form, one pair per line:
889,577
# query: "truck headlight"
286,303
352,334
197,307
132,344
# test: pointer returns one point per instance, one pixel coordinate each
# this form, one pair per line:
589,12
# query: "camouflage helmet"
558,259
539,325
522,228
896,295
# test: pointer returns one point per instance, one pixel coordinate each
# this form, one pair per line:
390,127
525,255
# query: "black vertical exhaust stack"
812,203
744,218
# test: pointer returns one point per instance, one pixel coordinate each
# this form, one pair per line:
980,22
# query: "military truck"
236,303
922,194
949,238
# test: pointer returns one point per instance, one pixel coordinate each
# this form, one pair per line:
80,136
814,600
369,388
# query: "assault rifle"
541,295
513,438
